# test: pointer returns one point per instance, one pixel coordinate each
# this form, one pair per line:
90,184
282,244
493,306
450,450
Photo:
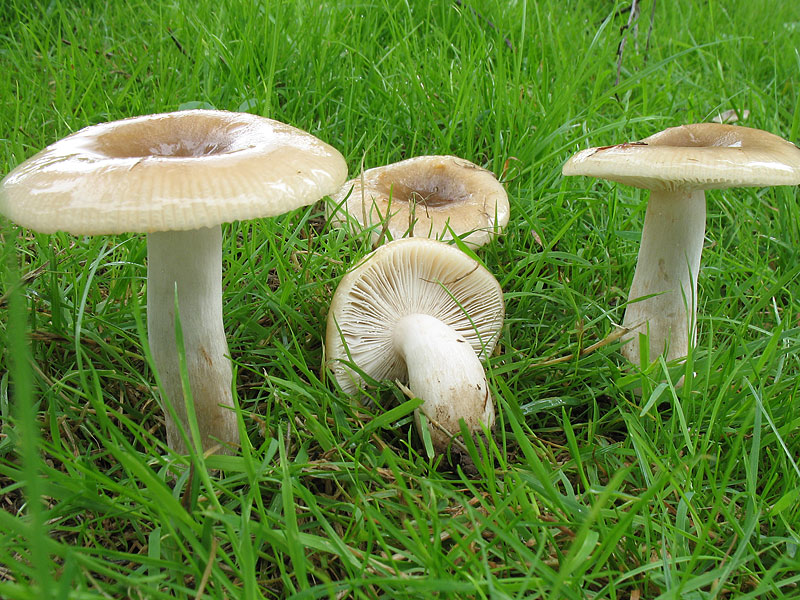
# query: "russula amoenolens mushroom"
423,312
177,177
425,196
677,165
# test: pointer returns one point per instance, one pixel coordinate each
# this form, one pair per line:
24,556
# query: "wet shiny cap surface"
699,156
171,171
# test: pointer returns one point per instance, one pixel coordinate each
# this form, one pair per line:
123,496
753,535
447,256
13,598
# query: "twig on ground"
178,45
633,24
207,572
26,278
633,18
609,339
650,29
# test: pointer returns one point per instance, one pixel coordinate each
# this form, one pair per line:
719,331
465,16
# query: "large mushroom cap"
173,171
405,277
424,196
700,156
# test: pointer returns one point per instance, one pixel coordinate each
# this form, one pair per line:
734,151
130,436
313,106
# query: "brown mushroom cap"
700,156
173,171
401,278
424,196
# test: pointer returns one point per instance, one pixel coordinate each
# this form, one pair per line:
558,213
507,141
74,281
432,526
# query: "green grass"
596,492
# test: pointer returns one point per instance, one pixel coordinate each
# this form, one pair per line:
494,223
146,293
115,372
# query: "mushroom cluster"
177,177
415,310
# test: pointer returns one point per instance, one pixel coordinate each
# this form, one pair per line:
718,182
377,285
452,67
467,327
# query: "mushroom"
677,165
177,177
423,312
424,196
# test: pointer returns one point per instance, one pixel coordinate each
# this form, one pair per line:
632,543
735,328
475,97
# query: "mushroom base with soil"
189,264
445,372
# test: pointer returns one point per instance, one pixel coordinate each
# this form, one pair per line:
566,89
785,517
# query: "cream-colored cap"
424,196
172,171
401,278
700,156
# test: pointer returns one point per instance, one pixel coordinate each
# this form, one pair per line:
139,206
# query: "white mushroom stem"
668,263
191,263
445,372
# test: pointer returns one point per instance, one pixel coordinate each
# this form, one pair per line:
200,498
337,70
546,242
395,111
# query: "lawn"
602,480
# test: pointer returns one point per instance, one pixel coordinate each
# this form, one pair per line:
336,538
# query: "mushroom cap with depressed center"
173,171
424,196
406,277
701,156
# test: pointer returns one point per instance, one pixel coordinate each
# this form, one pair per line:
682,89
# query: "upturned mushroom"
423,312
425,196
177,177
677,165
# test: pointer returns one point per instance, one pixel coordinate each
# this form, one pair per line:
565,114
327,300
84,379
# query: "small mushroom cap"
701,156
172,171
400,278
424,196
